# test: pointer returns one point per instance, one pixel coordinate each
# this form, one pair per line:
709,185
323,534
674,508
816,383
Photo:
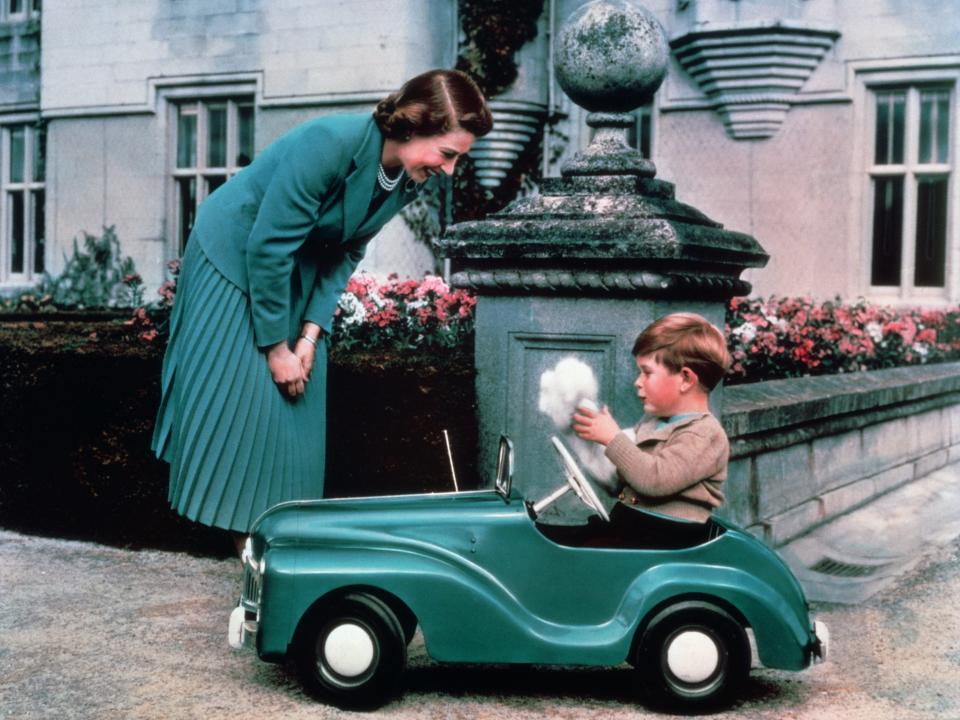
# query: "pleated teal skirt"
236,445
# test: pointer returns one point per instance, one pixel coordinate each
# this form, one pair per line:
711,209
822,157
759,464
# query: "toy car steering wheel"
578,482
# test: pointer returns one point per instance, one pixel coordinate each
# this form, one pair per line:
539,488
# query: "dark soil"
77,404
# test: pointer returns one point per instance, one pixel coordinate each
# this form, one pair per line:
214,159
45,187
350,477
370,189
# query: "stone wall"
805,450
804,191
111,71
106,54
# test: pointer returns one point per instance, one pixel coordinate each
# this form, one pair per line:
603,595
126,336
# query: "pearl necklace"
388,183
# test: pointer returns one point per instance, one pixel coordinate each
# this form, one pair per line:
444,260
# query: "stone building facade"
828,130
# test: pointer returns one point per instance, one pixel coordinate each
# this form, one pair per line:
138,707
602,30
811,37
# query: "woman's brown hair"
434,103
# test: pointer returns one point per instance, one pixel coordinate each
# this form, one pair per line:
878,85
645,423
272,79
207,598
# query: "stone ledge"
778,413
790,524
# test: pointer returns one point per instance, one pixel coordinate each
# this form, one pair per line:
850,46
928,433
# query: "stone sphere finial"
611,55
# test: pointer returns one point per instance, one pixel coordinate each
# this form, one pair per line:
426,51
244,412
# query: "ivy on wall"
493,32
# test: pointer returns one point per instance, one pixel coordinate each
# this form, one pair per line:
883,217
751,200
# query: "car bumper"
242,630
821,642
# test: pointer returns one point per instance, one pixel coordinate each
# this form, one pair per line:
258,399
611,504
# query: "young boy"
678,462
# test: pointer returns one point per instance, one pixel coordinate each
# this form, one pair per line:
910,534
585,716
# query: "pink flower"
434,284
168,291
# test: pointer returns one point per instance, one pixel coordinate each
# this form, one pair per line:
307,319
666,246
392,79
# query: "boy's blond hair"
685,339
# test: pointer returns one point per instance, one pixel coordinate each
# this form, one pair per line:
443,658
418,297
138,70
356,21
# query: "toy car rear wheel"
352,653
693,656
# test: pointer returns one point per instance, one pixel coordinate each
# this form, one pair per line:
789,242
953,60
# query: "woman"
267,260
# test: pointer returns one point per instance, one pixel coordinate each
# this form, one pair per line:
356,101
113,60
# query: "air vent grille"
829,566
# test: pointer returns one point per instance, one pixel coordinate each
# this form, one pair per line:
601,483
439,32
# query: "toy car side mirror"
504,478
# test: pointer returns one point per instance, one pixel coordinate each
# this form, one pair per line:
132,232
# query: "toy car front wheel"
353,652
693,655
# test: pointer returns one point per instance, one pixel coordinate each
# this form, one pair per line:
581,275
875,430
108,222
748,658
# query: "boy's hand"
595,426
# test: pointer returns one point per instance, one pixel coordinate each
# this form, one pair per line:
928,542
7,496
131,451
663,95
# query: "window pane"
943,125
39,153
646,133
214,181
39,231
217,136
889,130
934,122
930,268
245,130
638,134
186,140
928,112
882,130
17,139
887,231
16,6
897,128
186,208
15,205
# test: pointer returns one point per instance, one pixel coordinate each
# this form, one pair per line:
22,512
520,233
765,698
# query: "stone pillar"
582,267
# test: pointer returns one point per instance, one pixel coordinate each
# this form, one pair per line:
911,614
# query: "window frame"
29,10
234,97
940,74
643,115
29,186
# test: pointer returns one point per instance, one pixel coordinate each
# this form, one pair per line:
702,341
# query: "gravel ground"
88,631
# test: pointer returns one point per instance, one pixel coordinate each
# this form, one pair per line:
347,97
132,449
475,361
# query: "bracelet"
309,340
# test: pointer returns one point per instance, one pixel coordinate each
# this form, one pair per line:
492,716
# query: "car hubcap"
692,657
349,651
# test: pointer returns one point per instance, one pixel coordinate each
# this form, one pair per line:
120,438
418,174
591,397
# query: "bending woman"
267,260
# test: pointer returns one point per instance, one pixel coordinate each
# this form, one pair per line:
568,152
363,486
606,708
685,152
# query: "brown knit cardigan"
677,470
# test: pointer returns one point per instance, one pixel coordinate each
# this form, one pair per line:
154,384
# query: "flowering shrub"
788,337
28,302
402,314
152,320
768,339
96,276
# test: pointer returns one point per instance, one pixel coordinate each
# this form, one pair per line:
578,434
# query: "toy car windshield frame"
504,477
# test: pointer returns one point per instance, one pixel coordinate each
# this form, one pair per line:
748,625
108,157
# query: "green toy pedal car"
341,585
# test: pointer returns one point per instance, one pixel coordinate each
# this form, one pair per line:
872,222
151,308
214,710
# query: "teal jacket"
290,228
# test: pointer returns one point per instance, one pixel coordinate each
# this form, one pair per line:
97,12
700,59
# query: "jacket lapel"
358,187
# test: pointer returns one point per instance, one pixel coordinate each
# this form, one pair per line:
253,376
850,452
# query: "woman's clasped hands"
291,369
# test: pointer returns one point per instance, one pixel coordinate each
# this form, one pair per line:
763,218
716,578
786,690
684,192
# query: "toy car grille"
251,587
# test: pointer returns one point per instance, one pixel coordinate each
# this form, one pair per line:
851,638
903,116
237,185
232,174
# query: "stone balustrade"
805,450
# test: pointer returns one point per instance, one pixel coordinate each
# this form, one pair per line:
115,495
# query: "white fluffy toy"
569,385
